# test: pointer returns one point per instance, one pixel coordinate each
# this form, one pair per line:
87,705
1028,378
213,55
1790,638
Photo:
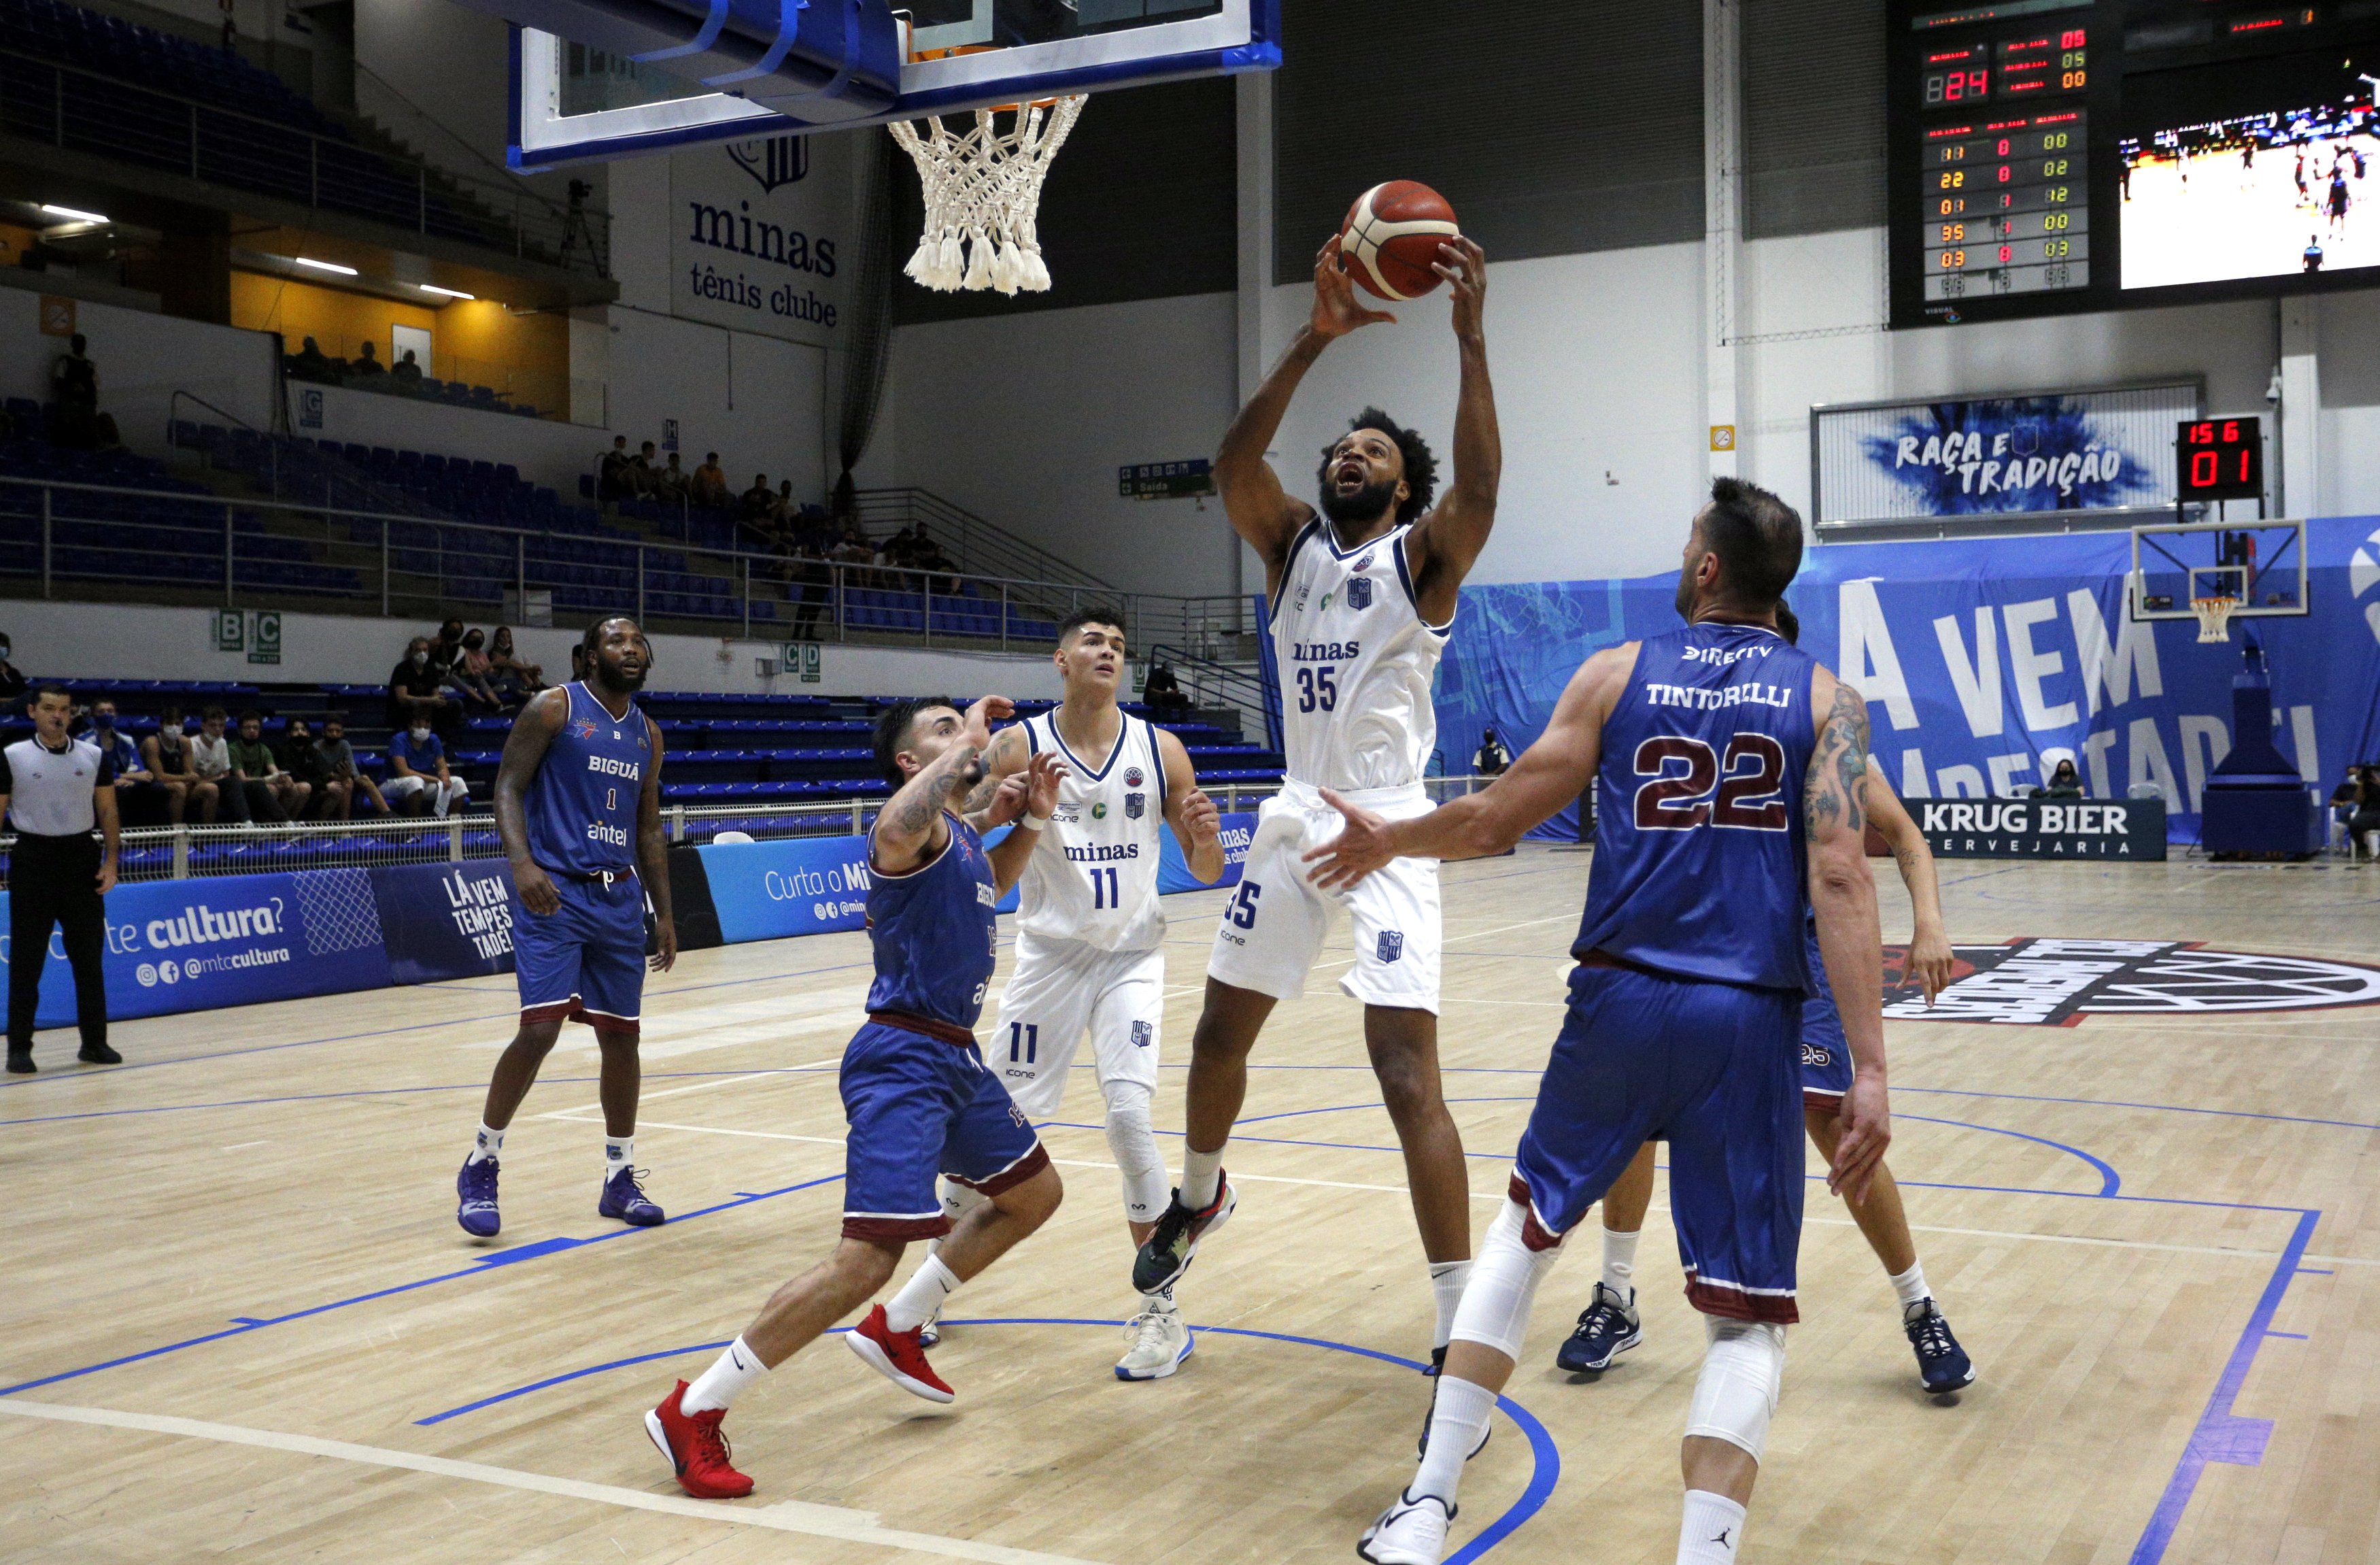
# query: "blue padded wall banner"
1983,661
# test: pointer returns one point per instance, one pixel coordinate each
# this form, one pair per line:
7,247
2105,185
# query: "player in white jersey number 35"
1362,597
1090,933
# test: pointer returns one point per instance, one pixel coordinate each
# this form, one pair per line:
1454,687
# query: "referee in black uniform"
54,789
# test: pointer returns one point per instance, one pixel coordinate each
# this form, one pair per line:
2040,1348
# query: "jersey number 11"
1103,889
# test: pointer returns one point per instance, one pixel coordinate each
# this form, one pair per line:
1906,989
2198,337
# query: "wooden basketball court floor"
238,1322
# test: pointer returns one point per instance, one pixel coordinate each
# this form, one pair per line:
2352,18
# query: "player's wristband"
1034,822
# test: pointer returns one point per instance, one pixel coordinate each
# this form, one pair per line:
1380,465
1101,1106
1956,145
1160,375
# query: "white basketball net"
2214,617
982,190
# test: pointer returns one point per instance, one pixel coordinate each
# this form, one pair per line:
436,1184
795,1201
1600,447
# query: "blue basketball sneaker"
476,1205
1606,1327
624,1198
1941,1363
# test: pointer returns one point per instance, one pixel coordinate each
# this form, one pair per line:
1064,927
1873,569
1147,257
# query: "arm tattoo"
929,793
979,797
1838,767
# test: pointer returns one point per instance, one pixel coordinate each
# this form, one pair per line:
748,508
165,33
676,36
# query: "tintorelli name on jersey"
1713,699
1325,651
1103,853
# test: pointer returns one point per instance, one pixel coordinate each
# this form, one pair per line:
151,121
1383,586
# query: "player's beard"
1364,505
621,678
1686,597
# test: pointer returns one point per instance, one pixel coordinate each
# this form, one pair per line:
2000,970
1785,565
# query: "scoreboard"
2041,153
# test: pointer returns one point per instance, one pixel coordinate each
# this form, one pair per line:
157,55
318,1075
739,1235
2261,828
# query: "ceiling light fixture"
71,215
326,265
443,293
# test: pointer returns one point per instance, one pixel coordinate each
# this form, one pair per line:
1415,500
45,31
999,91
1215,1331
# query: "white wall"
545,451
141,641
143,360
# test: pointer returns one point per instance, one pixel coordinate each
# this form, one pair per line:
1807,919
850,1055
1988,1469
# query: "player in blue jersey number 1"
920,1100
578,807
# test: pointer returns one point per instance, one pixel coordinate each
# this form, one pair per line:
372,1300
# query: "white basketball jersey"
1355,662
1093,874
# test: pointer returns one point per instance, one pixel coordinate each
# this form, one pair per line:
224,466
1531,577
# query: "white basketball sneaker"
1159,1342
1411,1532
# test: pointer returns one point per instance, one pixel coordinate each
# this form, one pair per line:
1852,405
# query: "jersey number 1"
1103,889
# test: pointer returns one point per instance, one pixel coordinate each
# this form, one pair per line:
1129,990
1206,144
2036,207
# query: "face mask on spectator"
102,720
4,651
421,731
420,659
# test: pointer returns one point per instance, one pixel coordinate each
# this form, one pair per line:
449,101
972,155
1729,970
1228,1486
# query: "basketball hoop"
983,189
2214,617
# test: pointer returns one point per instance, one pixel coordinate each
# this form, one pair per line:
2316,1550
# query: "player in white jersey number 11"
1362,597
1090,933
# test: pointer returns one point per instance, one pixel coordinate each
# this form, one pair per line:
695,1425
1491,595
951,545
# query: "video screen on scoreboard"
2250,168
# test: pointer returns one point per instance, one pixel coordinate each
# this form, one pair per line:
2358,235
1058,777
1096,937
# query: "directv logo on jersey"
1713,699
1722,657
1359,592
1133,806
1103,853
1325,651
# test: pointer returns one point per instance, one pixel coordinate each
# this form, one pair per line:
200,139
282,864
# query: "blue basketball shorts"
585,961
1712,1070
922,1104
1826,1057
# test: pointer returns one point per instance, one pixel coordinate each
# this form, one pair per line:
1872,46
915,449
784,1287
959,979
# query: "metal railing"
1214,685
980,544
202,548
188,853
84,111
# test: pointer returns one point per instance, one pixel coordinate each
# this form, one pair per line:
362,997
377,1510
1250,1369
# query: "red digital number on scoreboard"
2221,459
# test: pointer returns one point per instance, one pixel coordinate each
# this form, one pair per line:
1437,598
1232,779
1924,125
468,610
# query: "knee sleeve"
1133,1141
1744,1370
1495,1309
957,1199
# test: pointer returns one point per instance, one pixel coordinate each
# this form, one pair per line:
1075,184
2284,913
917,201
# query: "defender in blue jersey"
1730,767
579,806
1609,1325
920,1101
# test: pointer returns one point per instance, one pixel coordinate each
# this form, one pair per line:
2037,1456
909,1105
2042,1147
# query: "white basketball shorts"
1274,927
1060,989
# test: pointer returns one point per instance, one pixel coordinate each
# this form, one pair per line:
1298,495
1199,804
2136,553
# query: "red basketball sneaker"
898,1356
696,1449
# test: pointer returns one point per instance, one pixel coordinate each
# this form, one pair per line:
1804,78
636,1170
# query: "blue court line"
242,1324
2111,1182
2293,1336
1545,1456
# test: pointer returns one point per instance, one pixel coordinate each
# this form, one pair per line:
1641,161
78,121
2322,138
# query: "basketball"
1391,237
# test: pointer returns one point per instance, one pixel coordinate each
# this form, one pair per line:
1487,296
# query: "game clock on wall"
2047,156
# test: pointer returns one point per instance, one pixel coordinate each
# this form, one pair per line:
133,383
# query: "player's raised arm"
532,734
1003,760
1446,542
1027,798
910,828
1842,895
1261,511
1929,947
653,856
1549,774
1198,824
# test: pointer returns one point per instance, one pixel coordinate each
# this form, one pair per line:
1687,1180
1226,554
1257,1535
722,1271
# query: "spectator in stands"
311,363
13,684
1161,692
301,758
404,369
73,385
446,646
366,362
211,760
754,506
926,554
271,793
855,549
470,673
1493,760
2343,800
167,755
671,482
508,672
643,476
2065,782
901,549
416,772
610,475
138,793
577,662
2363,826
341,776
812,586
417,690
710,482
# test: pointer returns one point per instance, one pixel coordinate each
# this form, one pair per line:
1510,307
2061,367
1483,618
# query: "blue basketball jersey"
582,804
1699,860
935,934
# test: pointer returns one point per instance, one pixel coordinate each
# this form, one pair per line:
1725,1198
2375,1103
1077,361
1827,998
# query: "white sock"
619,1152
920,1298
1711,1530
488,1145
725,1379
1910,1285
1202,1177
1446,1280
1456,1421
1158,1304
1619,1262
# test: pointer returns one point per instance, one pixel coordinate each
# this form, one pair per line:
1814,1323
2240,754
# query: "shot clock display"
2047,156
2219,459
